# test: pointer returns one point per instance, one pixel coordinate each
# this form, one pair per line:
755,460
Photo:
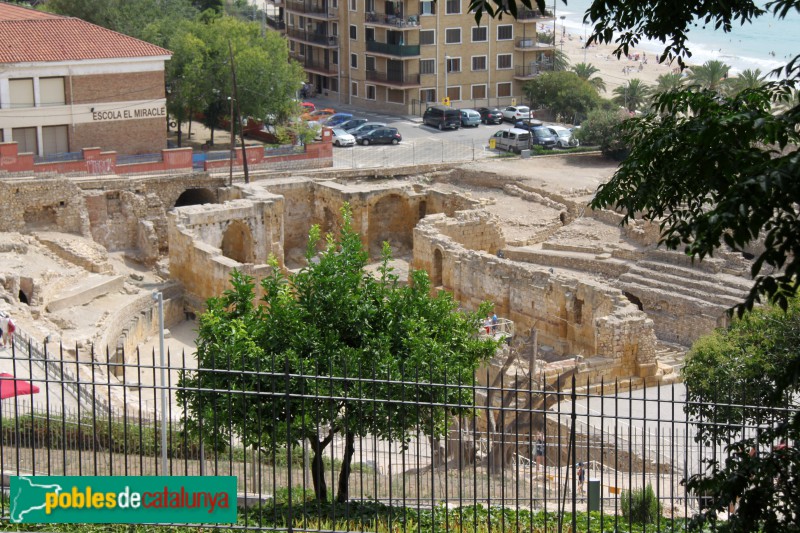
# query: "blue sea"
764,44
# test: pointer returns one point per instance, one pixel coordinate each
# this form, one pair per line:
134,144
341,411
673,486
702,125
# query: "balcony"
531,45
393,79
275,23
534,69
312,9
315,38
526,15
409,22
316,66
396,50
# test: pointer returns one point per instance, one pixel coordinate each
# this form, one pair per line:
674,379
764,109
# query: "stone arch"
391,219
436,271
632,298
196,197
237,242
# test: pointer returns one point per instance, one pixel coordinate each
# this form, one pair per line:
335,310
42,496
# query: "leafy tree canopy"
564,93
602,128
338,343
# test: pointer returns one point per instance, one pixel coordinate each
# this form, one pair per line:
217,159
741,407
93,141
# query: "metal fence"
410,153
506,444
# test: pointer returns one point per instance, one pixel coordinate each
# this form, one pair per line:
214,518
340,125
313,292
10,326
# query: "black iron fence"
506,450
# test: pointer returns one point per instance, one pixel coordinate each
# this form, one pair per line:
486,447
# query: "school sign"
122,499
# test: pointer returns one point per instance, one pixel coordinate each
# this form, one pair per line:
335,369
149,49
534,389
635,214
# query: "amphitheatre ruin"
81,255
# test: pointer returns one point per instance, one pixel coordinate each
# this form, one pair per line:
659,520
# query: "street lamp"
159,297
446,68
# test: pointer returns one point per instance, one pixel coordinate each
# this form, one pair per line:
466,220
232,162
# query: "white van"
511,140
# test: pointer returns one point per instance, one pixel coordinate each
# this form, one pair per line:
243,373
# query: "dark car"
380,136
490,115
543,137
528,124
352,124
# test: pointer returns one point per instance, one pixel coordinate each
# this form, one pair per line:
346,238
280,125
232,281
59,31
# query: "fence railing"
414,448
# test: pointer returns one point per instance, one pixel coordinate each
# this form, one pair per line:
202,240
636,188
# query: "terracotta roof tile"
55,38
15,12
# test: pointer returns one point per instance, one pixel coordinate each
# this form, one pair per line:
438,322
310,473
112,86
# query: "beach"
614,72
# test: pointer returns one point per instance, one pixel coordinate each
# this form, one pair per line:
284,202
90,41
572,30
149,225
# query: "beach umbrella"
10,387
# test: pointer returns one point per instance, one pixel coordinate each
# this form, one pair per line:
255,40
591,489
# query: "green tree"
313,337
632,96
711,75
747,377
560,61
748,79
602,128
564,93
585,71
669,82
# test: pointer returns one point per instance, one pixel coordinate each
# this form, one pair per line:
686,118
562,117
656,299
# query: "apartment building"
400,55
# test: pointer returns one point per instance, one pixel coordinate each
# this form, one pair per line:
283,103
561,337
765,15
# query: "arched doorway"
196,197
237,242
436,274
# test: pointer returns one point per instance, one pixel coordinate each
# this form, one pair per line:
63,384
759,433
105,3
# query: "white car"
513,113
342,138
564,138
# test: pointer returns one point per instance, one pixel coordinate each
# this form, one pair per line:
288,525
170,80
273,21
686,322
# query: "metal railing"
507,441
402,50
392,78
313,37
58,158
382,19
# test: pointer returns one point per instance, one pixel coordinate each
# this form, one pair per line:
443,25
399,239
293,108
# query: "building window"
25,139
335,57
452,36
369,33
354,60
21,94
54,140
354,88
427,37
302,49
454,93
334,84
505,32
353,32
454,64
427,95
427,66
334,29
395,96
369,63
335,4
427,8
503,61
478,63
369,6
370,92
291,20
504,89
291,46
480,34
478,92
301,23
453,7
51,91
353,5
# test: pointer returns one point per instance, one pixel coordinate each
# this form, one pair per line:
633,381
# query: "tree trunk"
318,471
343,493
179,134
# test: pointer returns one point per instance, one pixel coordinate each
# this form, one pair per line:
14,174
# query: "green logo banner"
123,499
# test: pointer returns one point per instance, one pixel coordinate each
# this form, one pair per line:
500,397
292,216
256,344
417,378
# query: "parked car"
528,124
511,140
308,107
470,117
514,113
319,114
490,115
442,117
365,128
564,137
336,119
543,137
382,135
352,124
342,138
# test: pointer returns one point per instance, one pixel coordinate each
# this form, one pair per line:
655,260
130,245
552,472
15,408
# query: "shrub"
640,506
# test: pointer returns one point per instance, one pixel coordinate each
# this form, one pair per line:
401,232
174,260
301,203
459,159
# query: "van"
442,117
511,140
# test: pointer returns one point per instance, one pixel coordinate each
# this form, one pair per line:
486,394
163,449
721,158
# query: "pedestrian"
539,452
7,327
487,324
581,477
494,322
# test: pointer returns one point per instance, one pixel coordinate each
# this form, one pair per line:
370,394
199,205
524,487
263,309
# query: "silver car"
564,138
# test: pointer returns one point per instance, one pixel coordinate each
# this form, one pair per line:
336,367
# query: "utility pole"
233,144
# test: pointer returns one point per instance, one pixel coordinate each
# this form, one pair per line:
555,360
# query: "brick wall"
97,88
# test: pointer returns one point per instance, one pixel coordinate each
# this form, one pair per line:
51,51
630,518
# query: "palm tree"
585,72
668,82
711,75
633,95
749,79
560,60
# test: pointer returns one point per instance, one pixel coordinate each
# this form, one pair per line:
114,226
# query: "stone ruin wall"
47,204
572,317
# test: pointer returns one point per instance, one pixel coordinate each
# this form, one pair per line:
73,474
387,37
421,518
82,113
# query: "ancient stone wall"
44,204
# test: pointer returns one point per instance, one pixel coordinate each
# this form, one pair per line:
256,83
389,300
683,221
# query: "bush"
640,506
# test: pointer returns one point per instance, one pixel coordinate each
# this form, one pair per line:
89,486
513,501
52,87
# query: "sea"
766,43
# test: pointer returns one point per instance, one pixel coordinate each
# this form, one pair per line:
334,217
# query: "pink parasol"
10,387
